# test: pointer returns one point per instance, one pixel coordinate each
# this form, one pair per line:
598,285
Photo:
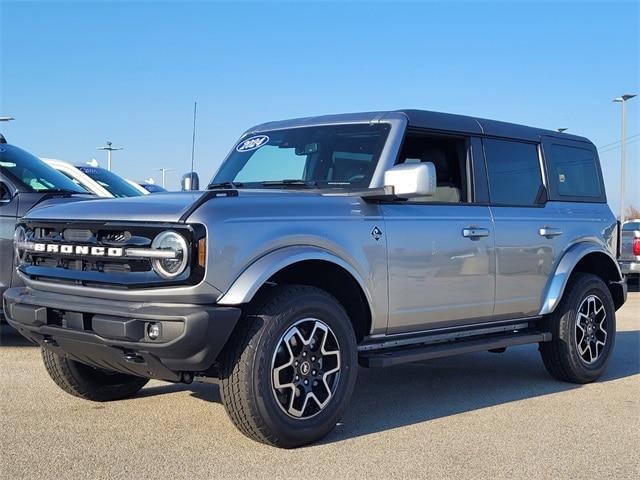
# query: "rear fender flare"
558,282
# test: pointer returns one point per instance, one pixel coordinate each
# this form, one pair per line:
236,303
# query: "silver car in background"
630,248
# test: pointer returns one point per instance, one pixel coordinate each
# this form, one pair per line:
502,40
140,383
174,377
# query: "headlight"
173,242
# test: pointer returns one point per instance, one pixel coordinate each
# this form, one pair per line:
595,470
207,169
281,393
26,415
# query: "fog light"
153,330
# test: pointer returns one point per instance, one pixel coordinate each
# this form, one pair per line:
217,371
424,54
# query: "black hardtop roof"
445,122
467,124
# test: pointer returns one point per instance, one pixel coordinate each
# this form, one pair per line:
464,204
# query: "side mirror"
412,180
5,193
190,181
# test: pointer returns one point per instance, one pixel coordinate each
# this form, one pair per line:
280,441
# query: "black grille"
77,234
86,269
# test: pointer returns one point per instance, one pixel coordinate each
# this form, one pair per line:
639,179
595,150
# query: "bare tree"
632,212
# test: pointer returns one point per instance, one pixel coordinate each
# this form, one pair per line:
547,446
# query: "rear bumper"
114,334
628,267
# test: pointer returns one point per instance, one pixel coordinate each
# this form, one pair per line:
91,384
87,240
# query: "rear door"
529,231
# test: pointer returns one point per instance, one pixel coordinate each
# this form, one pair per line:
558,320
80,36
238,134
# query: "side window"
514,174
572,172
449,155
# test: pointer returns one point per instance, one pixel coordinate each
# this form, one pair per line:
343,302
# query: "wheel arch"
307,266
588,258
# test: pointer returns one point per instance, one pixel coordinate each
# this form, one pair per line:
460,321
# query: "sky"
76,74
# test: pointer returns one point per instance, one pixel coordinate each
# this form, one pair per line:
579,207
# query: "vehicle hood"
165,207
159,207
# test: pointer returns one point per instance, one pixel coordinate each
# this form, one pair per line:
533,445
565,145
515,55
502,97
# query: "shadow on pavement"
389,398
11,338
404,395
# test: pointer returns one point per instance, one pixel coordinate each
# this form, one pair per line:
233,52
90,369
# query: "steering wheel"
356,178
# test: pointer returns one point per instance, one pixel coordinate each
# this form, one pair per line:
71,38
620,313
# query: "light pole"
6,118
164,171
109,148
561,130
623,100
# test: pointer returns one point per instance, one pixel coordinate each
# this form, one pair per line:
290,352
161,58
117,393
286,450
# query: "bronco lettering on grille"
78,250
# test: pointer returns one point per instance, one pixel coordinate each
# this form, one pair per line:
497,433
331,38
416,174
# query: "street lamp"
164,171
623,100
562,129
6,118
109,148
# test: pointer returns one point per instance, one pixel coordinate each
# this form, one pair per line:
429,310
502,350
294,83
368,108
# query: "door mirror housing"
412,180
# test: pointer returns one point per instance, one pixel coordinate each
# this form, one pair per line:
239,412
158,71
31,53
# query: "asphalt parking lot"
475,416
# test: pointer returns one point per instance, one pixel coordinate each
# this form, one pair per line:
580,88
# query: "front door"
441,265
441,259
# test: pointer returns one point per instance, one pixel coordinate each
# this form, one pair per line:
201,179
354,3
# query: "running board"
388,358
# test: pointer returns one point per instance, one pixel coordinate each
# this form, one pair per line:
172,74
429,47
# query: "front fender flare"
557,284
253,277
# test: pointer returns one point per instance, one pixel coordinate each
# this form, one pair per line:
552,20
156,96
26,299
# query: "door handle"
473,232
549,232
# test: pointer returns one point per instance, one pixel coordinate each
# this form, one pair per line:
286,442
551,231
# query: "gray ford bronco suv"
322,244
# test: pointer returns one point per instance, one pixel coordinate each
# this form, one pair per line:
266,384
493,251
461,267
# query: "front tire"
583,329
290,368
90,383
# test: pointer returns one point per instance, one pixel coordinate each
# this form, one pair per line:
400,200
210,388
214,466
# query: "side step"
388,358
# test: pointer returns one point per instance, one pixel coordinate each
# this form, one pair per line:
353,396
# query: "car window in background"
153,188
74,180
514,172
32,172
113,183
629,226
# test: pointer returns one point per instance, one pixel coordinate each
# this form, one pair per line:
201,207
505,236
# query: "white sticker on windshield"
252,143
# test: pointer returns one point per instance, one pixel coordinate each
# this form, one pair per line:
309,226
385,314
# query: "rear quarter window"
573,174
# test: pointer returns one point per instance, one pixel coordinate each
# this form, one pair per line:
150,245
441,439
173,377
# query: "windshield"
32,173
114,184
332,156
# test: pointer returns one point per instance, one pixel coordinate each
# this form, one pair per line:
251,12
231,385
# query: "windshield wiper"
217,185
61,190
290,182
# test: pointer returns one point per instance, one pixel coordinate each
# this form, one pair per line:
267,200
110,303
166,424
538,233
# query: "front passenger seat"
446,189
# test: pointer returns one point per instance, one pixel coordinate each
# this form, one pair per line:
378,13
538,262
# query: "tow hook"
133,358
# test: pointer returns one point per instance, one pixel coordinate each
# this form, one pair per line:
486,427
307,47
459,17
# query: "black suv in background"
26,182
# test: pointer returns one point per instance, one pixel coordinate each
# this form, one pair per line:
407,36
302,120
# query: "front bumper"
114,334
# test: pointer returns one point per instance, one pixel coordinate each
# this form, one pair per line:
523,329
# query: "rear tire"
290,367
583,328
90,383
